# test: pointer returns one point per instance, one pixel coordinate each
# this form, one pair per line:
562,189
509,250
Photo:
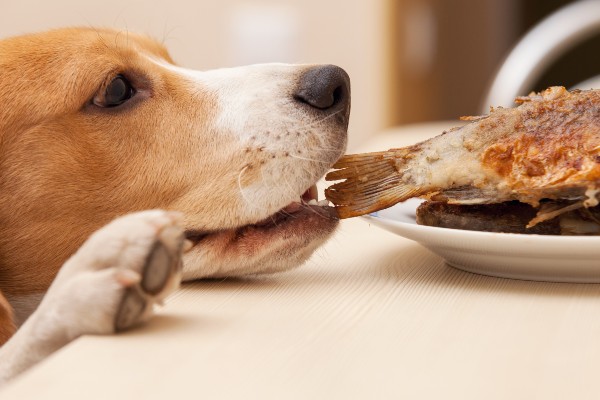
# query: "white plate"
507,255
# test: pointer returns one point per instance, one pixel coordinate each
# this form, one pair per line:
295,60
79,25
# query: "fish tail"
370,182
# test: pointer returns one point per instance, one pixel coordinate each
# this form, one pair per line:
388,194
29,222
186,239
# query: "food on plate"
508,217
545,153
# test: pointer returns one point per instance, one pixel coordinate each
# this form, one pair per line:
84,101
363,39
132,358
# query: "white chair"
541,46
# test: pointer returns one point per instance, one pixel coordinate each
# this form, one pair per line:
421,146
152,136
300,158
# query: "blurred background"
409,60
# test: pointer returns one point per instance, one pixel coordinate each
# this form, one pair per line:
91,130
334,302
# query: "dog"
123,174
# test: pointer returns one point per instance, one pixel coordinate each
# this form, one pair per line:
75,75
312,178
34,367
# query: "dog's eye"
118,91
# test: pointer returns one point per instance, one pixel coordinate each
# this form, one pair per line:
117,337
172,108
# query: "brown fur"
7,325
71,158
68,167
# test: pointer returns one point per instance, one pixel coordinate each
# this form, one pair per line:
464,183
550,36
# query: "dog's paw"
113,281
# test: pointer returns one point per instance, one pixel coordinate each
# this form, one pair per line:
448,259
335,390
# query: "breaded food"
544,153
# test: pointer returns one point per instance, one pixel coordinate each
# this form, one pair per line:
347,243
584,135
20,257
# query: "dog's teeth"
321,203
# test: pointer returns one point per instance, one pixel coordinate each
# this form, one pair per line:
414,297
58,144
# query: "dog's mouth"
307,209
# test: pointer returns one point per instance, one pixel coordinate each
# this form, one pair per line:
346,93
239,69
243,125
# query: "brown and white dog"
96,124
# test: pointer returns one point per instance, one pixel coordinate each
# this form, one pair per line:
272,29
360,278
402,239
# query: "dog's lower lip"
288,210
308,199
195,236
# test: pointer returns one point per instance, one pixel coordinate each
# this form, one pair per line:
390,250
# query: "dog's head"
98,123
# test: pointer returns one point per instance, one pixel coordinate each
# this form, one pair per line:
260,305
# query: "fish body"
546,148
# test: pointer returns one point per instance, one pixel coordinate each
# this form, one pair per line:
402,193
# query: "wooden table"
371,316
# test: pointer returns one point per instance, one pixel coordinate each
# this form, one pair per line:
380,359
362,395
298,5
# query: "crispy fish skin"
546,148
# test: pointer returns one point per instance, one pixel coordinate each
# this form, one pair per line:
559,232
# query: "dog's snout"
324,87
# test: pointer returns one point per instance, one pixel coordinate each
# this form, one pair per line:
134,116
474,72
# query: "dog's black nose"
324,87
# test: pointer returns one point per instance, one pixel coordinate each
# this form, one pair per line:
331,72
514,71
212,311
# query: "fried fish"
544,153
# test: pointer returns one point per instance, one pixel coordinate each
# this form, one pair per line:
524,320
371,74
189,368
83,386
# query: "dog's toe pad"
131,309
157,270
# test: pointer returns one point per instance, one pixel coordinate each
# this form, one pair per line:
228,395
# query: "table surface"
370,316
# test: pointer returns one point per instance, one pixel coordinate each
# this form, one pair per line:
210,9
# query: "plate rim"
512,236
429,236
530,257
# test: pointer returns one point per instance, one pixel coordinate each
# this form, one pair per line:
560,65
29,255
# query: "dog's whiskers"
319,121
309,159
313,210
269,184
323,150
239,182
